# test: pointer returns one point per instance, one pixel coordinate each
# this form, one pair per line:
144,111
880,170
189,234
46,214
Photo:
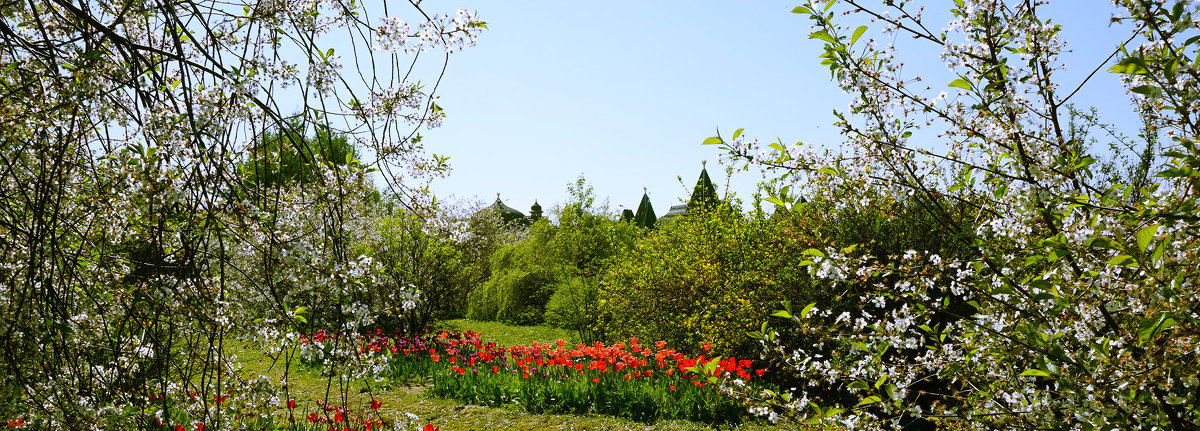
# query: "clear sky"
623,92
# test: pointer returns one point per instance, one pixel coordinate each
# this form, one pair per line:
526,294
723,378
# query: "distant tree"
292,152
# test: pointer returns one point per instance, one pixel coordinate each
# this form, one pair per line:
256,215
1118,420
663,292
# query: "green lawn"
508,335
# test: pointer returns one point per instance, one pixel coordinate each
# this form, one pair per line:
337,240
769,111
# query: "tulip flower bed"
625,379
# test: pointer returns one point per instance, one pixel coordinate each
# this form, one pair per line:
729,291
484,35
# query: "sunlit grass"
507,335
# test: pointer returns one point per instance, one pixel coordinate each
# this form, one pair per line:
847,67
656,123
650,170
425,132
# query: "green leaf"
822,35
801,9
1101,242
1180,172
783,314
813,252
1151,326
960,83
1147,90
891,391
713,141
1156,256
1041,284
868,400
1035,372
1146,235
827,170
857,34
776,201
737,133
1130,66
807,310
1122,260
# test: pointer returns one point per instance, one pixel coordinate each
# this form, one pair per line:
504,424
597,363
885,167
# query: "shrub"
573,306
709,276
414,255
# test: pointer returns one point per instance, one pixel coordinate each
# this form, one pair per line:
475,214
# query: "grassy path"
307,386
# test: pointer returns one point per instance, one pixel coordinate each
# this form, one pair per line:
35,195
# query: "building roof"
704,193
676,211
507,213
645,213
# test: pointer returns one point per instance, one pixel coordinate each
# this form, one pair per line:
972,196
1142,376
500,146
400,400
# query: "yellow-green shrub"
709,276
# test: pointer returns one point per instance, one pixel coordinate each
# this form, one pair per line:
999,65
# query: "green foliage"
710,276
289,154
523,276
586,235
567,256
415,254
574,306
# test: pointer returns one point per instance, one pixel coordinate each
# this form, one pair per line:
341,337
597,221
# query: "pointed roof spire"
704,194
645,212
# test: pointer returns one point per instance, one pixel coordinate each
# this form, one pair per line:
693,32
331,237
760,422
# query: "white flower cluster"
447,32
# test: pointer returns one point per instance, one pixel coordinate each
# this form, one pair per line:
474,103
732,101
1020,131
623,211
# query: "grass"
508,335
306,386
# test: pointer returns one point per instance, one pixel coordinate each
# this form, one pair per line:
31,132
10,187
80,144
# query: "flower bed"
626,379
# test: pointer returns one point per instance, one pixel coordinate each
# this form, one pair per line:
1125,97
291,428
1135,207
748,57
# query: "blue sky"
623,92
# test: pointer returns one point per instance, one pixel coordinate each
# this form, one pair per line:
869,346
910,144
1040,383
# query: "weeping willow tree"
124,223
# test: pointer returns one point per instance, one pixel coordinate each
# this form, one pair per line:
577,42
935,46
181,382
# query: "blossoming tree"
124,218
1081,289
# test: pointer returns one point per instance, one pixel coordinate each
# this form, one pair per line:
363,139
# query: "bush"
573,306
710,276
415,255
